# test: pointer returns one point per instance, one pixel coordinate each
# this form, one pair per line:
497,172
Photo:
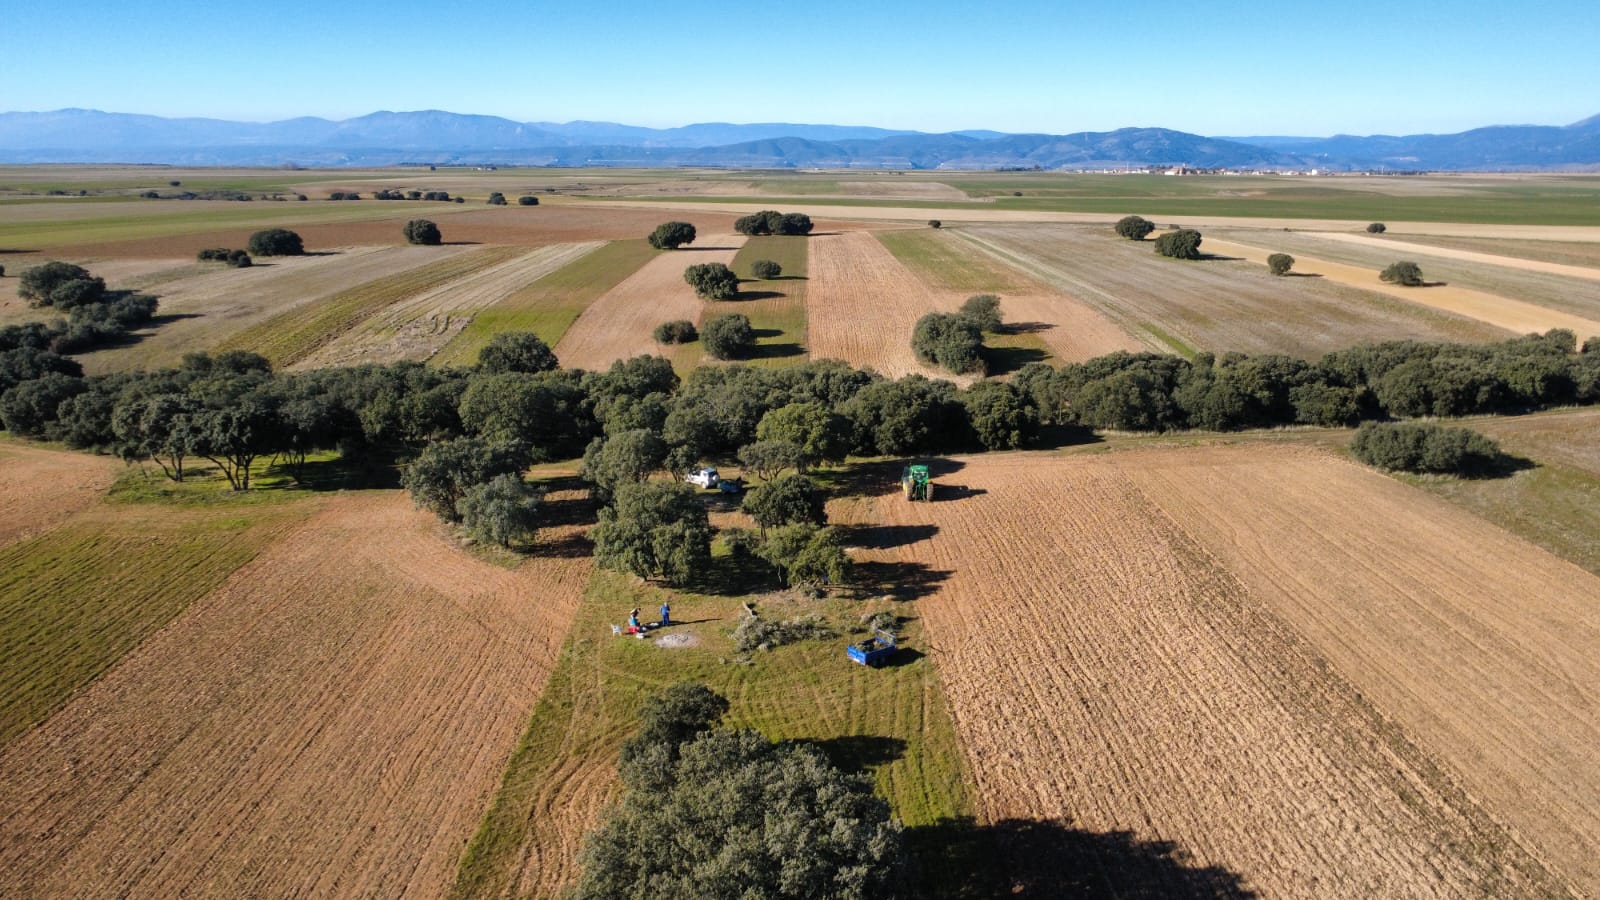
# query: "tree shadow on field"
1055,437
1049,859
946,492
1302,274
1503,465
1217,257
757,295
1005,360
688,249
1023,327
885,537
898,580
856,753
459,243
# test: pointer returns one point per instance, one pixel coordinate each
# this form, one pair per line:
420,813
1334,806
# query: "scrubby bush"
527,200
935,223
2,271
1134,228
1280,263
1377,228
275,242
949,340
497,199
765,269
1181,244
1404,273
728,336
756,633
240,259
678,331
712,281
672,235
213,254
516,351
1425,447
422,231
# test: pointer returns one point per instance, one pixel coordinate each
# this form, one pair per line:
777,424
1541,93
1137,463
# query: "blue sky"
1222,69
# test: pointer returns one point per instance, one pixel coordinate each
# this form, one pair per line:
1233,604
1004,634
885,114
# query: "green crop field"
550,305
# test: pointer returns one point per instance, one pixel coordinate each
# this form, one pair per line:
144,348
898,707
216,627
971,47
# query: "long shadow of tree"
1045,859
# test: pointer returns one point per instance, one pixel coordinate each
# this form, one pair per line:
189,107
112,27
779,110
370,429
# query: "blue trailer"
873,651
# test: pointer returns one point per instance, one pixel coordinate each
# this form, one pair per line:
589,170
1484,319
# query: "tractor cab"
915,485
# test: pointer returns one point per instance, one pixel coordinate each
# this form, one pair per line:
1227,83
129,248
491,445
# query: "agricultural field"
352,693
1214,305
1183,664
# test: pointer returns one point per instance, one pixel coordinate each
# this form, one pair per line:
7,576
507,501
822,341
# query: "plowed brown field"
1105,669
1484,648
862,304
330,722
416,328
619,324
40,488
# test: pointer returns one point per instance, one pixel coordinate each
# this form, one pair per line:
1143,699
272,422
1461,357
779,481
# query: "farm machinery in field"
915,485
873,651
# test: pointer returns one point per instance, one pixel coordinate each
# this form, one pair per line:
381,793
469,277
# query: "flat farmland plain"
1114,671
40,487
328,722
1214,305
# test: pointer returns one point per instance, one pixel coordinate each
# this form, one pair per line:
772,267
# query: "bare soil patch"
40,487
1482,647
862,304
1106,670
1215,305
418,327
329,722
1513,262
619,324
1515,316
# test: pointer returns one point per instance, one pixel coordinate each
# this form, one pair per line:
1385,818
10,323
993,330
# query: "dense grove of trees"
94,314
726,814
770,221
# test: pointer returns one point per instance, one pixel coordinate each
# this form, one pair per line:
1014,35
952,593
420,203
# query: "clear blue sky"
1222,69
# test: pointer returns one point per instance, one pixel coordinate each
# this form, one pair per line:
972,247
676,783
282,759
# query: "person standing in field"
666,615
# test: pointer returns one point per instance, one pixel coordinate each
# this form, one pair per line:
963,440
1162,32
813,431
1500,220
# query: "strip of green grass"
297,333
943,261
550,305
75,600
891,722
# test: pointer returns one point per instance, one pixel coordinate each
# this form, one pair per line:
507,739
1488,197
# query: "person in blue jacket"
666,615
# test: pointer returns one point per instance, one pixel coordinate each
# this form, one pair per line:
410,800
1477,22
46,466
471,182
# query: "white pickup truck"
706,478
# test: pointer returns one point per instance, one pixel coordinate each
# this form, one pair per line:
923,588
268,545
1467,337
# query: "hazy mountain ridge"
440,137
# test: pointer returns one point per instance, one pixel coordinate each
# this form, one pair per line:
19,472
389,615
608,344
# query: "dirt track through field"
619,324
416,328
330,722
1511,262
862,305
1503,312
40,488
1479,644
1106,671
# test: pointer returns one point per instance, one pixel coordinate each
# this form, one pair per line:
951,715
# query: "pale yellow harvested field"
418,327
903,190
329,723
1503,312
1485,649
619,324
1076,332
1107,670
959,215
40,488
862,304
1512,262
215,305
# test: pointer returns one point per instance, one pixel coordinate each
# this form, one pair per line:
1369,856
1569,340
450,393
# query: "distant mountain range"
440,138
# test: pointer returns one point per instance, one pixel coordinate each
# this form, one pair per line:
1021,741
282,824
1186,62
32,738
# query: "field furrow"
329,722
1109,673
416,328
1483,647
619,324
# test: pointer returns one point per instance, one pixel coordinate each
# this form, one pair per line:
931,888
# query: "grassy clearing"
294,335
891,722
942,260
75,600
549,306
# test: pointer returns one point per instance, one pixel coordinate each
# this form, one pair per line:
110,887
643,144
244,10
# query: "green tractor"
915,485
